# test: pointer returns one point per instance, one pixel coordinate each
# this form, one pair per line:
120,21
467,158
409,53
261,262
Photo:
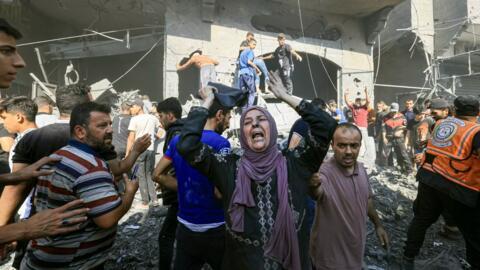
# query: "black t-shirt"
283,54
120,131
457,192
300,127
45,141
4,168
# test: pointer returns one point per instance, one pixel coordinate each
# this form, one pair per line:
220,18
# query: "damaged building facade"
429,48
143,40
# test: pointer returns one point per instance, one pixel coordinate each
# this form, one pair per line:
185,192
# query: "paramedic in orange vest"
449,179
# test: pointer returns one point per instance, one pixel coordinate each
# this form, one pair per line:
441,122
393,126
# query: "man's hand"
315,181
276,85
299,58
141,144
131,186
419,158
60,220
316,186
33,171
382,237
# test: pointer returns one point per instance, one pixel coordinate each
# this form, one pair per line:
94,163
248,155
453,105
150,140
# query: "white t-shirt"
43,119
144,124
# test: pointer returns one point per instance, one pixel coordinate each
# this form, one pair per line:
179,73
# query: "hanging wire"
378,59
326,71
87,35
139,60
308,59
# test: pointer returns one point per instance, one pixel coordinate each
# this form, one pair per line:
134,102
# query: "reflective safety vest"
450,152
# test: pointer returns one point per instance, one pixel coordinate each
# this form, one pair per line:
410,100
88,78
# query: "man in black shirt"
170,113
283,54
120,130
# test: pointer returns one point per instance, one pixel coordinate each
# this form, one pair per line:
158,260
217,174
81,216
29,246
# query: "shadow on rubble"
394,195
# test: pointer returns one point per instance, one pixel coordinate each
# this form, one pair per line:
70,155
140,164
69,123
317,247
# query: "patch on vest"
443,133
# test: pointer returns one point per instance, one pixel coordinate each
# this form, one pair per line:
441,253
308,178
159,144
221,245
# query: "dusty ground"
137,247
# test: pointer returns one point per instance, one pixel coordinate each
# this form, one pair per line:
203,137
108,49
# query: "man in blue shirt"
247,71
335,112
201,230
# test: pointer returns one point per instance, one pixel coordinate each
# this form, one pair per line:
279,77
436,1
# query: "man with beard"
448,181
201,232
46,140
82,174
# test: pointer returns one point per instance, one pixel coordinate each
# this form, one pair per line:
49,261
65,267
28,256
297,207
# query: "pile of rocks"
394,196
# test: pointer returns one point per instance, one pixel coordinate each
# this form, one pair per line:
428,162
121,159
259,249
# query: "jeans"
194,249
428,206
207,74
247,83
146,163
285,73
166,238
263,68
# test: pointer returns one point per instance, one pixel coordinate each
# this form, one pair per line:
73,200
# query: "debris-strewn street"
137,247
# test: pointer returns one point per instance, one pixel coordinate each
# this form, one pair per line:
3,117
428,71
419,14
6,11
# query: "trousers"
166,238
427,208
146,162
194,249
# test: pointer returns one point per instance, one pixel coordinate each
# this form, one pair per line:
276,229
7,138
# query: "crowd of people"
72,177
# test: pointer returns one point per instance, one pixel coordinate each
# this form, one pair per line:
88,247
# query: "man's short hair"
332,101
216,106
170,105
69,96
382,102
8,29
281,36
250,34
319,103
348,126
22,105
466,106
194,52
43,101
252,40
81,113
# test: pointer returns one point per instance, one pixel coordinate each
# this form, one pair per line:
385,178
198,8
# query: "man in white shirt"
45,112
143,123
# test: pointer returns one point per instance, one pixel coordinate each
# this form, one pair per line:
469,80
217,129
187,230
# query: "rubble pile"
394,196
136,245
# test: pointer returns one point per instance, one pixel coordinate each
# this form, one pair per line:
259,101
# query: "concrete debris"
394,195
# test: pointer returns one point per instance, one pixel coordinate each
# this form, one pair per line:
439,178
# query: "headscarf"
283,243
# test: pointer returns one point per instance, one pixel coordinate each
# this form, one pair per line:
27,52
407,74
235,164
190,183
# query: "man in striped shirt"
82,174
